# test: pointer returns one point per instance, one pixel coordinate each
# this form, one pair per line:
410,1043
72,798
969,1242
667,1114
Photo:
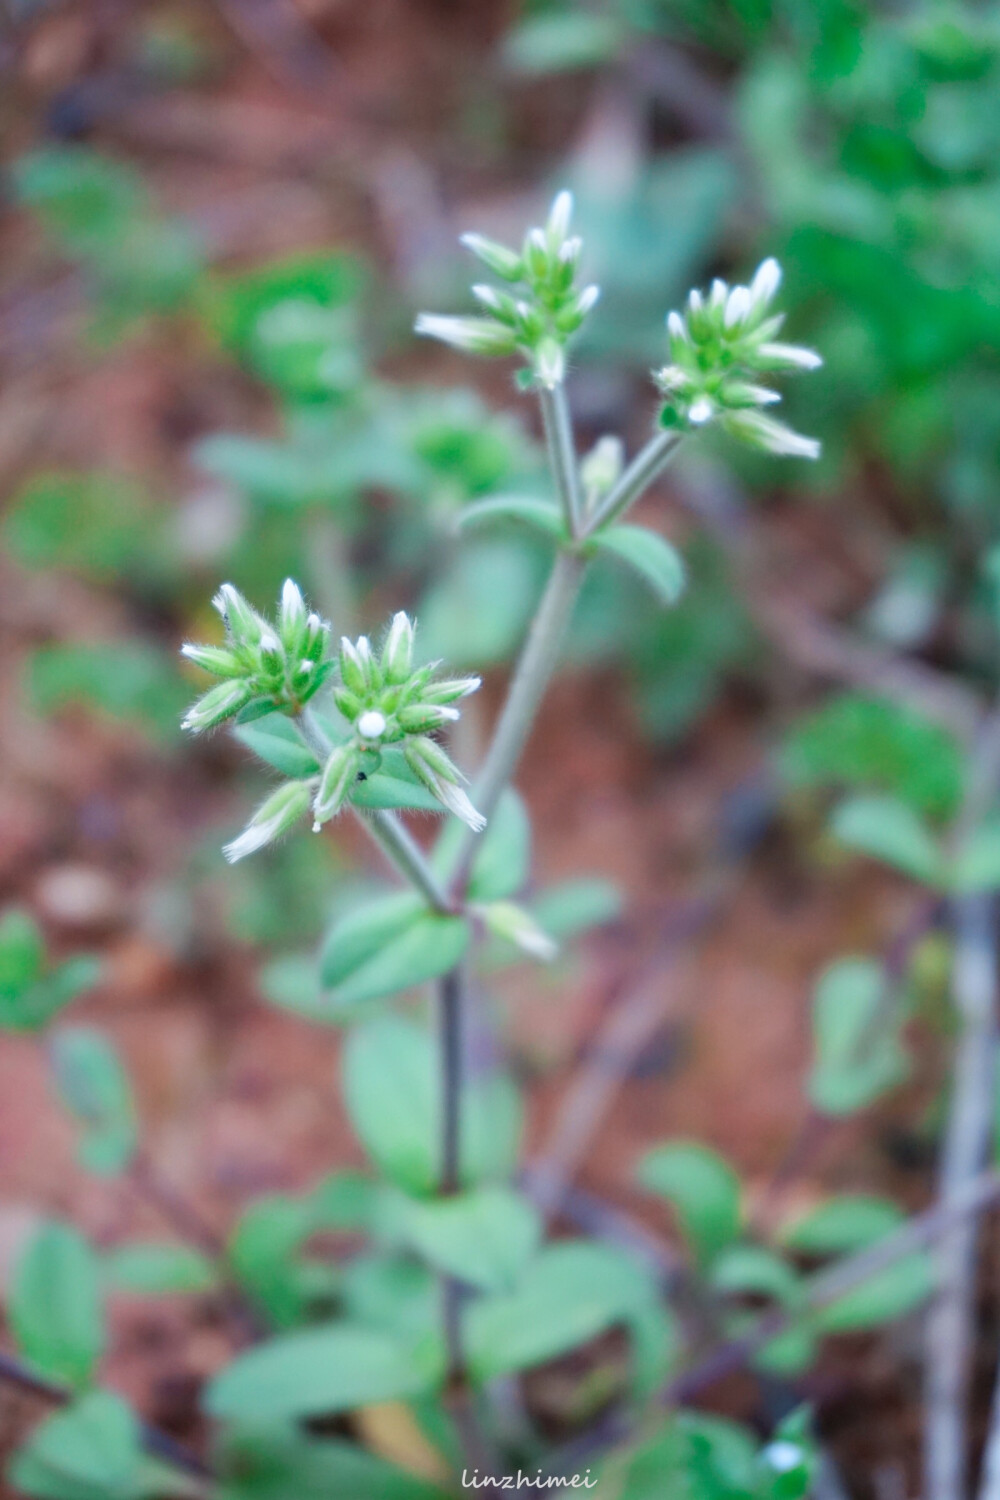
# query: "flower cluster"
387,702
263,666
719,347
540,307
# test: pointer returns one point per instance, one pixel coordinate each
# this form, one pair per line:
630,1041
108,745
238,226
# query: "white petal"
766,281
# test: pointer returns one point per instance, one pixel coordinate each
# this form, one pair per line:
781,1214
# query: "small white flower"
371,724
701,411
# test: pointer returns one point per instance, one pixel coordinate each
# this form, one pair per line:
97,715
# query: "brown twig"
158,1443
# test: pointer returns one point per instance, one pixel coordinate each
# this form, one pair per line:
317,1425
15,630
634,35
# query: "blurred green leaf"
332,1368
703,1190
888,830
392,1090
273,1460
152,1269
54,1308
863,743
89,1451
850,1221
858,1053
93,1086
130,681
484,1237
649,555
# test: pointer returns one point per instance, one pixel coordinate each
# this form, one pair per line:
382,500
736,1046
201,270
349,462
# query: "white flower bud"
517,926
677,328
787,357
397,653
218,704
292,610
738,304
339,775
503,262
560,214
356,664
371,724
473,335
273,818
214,659
702,410
761,431
456,801
602,466
242,622
767,279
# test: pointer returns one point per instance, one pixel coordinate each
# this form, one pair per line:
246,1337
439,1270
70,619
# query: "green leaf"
22,954
131,681
858,1055
862,743
337,1367
484,1237
393,785
89,1451
387,945
890,831
887,1295
100,525
757,1270
275,740
262,1253
55,1310
153,1270
478,612
273,1461
842,1224
570,1293
575,906
392,1089
540,515
41,1001
561,41
650,555
93,1085
977,864
703,1190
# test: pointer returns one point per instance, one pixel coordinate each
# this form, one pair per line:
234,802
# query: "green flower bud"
434,768
242,622
217,705
357,666
214,659
397,653
274,817
339,775
517,926
506,264
450,690
422,718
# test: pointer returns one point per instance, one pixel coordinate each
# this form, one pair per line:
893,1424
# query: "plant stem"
562,453
949,1328
450,1023
531,678
639,475
388,832
405,853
